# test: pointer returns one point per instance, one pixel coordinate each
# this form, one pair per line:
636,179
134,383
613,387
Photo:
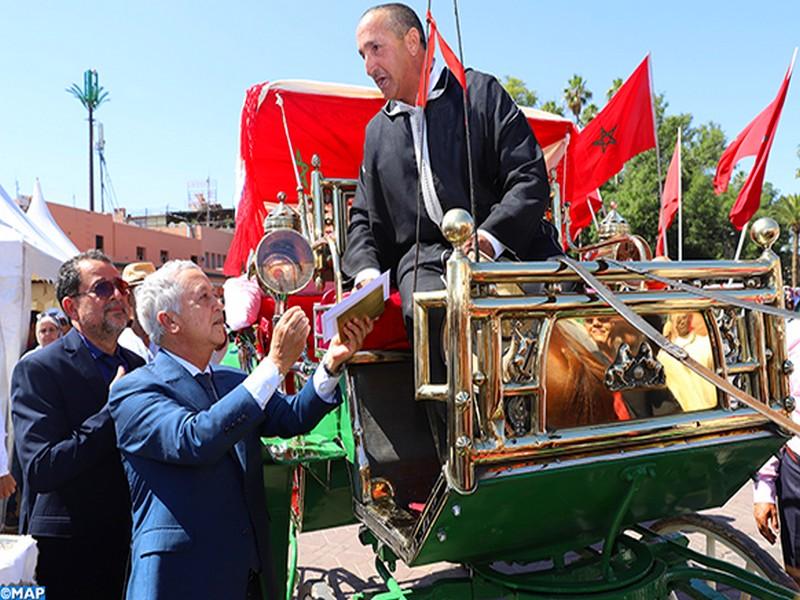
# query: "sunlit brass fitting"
765,232
462,400
457,226
282,216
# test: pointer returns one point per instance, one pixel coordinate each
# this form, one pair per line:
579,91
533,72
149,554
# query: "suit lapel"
189,391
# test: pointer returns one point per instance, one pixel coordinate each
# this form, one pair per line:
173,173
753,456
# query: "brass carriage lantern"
613,225
283,262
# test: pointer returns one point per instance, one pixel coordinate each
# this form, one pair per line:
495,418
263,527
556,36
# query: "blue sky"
177,71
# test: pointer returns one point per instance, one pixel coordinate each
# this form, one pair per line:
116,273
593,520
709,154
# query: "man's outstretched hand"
288,339
348,341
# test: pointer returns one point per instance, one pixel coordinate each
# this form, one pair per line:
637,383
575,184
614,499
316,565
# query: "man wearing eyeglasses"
76,501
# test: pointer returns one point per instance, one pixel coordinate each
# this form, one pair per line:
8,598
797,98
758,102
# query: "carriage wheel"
715,538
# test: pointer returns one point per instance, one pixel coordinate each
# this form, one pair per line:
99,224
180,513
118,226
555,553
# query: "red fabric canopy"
324,119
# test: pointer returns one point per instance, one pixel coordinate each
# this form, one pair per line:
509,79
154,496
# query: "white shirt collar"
193,370
394,107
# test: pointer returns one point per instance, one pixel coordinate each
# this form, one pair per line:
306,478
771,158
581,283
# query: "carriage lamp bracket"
635,476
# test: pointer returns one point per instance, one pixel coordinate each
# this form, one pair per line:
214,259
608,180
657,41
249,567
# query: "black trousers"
85,568
788,489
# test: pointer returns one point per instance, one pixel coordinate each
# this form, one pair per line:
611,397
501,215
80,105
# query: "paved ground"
336,555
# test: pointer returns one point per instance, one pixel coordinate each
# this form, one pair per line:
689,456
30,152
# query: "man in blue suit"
189,438
76,502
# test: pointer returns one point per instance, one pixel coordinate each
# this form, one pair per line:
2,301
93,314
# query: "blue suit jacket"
195,475
74,485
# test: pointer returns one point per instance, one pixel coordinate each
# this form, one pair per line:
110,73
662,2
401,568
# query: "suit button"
245,531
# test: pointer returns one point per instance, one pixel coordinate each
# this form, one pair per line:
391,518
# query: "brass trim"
551,271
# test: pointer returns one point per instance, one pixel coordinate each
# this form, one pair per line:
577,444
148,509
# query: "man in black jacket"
404,141
76,501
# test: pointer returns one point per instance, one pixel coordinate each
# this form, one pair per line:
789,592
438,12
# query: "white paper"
329,328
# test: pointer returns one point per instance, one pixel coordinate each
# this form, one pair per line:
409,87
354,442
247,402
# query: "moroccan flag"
450,59
624,128
580,214
756,139
670,198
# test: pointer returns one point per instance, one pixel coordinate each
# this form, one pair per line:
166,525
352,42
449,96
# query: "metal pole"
741,241
680,205
655,131
472,206
91,158
591,210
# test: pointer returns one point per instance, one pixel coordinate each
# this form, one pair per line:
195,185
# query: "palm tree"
589,112
91,96
615,85
552,106
787,213
576,94
797,172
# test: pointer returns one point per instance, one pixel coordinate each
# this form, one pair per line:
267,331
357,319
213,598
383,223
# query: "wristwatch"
333,373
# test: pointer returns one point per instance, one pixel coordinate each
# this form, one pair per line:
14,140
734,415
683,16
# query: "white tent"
40,216
12,215
26,254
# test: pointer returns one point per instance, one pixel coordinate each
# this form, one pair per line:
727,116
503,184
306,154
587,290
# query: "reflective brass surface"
282,217
764,232
505,375
457,225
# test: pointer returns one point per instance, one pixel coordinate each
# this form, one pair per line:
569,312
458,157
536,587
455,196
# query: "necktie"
205,380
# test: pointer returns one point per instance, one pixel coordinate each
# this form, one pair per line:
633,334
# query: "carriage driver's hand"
484,245
289,339
766,515
346,343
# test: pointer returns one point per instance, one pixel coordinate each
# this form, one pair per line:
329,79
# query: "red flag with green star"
624,128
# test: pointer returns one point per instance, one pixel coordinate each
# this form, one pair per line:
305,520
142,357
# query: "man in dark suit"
76,501
189,437
415,166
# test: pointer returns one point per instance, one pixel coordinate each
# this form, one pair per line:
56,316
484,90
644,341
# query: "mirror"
283,262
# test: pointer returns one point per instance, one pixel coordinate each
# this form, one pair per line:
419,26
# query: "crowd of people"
137,466
138,455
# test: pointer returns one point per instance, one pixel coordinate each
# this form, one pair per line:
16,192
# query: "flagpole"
741,241
680,202
564,197
473,206
655,131
591,210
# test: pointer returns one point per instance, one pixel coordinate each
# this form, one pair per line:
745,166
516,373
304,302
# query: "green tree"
552,106
589,112
786,211
797,171
519,92
706,230
615,85
576,95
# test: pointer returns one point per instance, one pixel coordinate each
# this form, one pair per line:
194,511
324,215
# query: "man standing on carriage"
415,168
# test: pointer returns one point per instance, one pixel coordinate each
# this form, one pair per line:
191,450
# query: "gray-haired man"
189,437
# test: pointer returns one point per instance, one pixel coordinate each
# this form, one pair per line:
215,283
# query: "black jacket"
74,484
511,188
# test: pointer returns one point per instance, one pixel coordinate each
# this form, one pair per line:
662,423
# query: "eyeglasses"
104,288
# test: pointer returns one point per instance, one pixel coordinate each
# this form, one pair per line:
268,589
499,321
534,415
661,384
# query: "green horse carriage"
592,407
